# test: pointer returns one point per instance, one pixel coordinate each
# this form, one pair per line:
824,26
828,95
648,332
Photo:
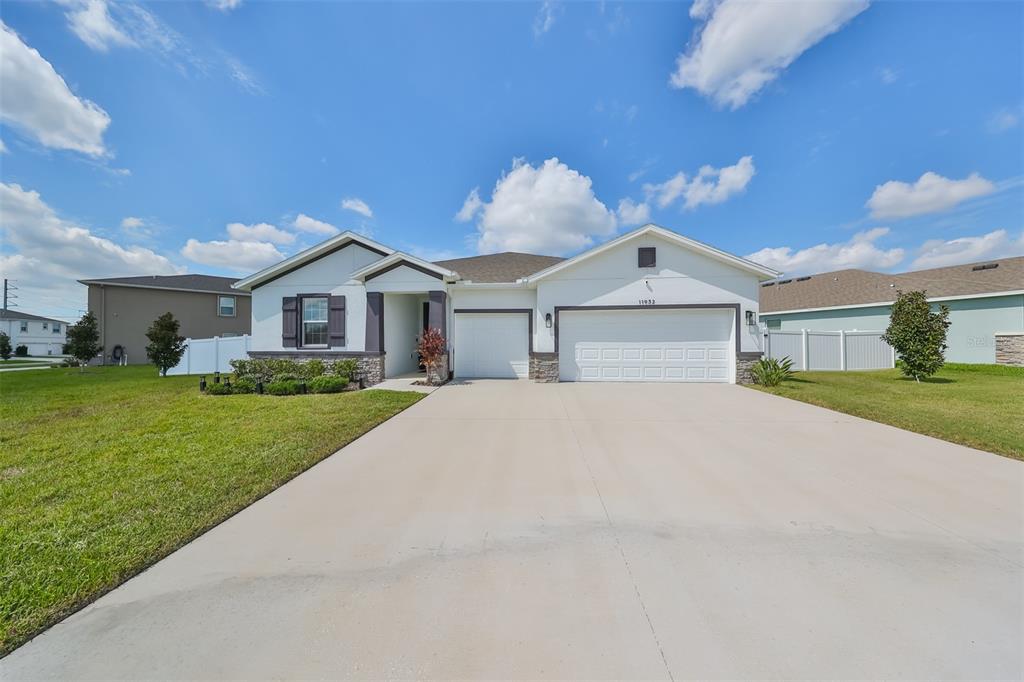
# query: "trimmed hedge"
270,370
282,387
218,389
327,384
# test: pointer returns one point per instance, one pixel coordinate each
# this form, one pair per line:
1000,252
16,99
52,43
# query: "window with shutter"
289,321
336,321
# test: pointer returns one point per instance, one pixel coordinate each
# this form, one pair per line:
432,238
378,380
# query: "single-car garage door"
645,345
492,345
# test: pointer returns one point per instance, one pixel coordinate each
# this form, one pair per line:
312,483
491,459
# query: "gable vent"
986,266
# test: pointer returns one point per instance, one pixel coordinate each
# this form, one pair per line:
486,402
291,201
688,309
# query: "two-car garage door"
645,345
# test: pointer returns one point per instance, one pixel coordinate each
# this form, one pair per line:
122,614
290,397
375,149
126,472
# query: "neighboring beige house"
125,307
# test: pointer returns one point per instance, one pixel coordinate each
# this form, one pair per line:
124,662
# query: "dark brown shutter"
336,321
289,321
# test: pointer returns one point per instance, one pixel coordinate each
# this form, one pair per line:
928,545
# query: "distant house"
983,298
42,335
125,307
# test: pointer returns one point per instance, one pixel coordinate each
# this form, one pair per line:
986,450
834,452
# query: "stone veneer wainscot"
1010,348
369,366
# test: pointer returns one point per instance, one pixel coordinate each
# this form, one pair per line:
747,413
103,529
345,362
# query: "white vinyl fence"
839,351
206,356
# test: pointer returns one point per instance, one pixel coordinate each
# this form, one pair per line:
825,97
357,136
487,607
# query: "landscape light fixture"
202,384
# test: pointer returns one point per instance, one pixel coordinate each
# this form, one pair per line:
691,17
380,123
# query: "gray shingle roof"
183,282
9,314
499,267
854,287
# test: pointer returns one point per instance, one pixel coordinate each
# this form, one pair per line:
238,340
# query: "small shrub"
917,334
285,376
70,362
328,384
772,372
21,351
244,385
5,346
283,387
345,368
312,369
219,389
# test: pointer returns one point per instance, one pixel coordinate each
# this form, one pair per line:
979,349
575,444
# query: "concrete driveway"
515,530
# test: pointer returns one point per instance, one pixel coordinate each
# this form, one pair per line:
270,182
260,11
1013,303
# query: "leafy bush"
772,372
282,387
5,346
285,376
345,368
328,384
917,334
244,385
219,389
70,362
432,347
21,351
312,368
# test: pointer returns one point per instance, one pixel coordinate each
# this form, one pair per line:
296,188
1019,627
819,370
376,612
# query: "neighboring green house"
983,299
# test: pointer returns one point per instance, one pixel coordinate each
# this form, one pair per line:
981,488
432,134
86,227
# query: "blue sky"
218,137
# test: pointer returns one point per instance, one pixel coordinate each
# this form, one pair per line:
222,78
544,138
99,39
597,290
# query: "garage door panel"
492,345
645,345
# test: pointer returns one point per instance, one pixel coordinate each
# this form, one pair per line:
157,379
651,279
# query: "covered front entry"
646,344
492,344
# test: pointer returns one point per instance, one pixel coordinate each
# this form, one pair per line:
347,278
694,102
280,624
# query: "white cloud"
888,75
260,232
232,254
937,253
710,185
930,194
547,209
131,223
304,223
224,5
37,101
745,45
3,147
1003,120
470,207
546,16
50,253
91,21
632,213
244,76
860,252
358,205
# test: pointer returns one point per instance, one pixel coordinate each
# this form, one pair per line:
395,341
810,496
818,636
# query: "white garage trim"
654,347
468,360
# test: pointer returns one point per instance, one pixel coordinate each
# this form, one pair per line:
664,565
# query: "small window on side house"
646,257
56,328
226,306
24,325
45,324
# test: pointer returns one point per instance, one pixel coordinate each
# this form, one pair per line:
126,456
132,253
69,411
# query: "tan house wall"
125,313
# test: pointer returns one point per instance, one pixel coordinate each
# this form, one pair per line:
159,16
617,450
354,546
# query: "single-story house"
41,335
984,299
125,307
650,305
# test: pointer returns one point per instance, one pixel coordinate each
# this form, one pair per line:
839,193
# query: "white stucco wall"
681,276
39,341
404,279
327,275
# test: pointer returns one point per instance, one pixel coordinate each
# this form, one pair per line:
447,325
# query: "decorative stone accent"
369,366
544,367
744,363
1010,348
438,375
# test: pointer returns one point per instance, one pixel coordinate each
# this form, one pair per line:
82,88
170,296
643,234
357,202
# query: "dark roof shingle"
182,282
499,267
858,287
8,314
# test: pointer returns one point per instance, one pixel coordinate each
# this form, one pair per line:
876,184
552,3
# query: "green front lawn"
981,406
104,473
16,362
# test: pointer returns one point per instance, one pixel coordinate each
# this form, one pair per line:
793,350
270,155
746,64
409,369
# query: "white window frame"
23,327
325,321
220,306
46,325
56,327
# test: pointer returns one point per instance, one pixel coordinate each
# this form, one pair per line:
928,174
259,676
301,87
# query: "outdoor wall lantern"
751,318
547,320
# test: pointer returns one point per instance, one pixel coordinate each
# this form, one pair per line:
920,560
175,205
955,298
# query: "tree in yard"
431,348
5,346
83,340
917,334
166,346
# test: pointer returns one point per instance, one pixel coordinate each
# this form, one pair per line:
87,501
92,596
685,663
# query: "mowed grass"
103,473
22,362
981,406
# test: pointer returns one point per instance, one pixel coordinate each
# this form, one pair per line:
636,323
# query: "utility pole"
8,287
